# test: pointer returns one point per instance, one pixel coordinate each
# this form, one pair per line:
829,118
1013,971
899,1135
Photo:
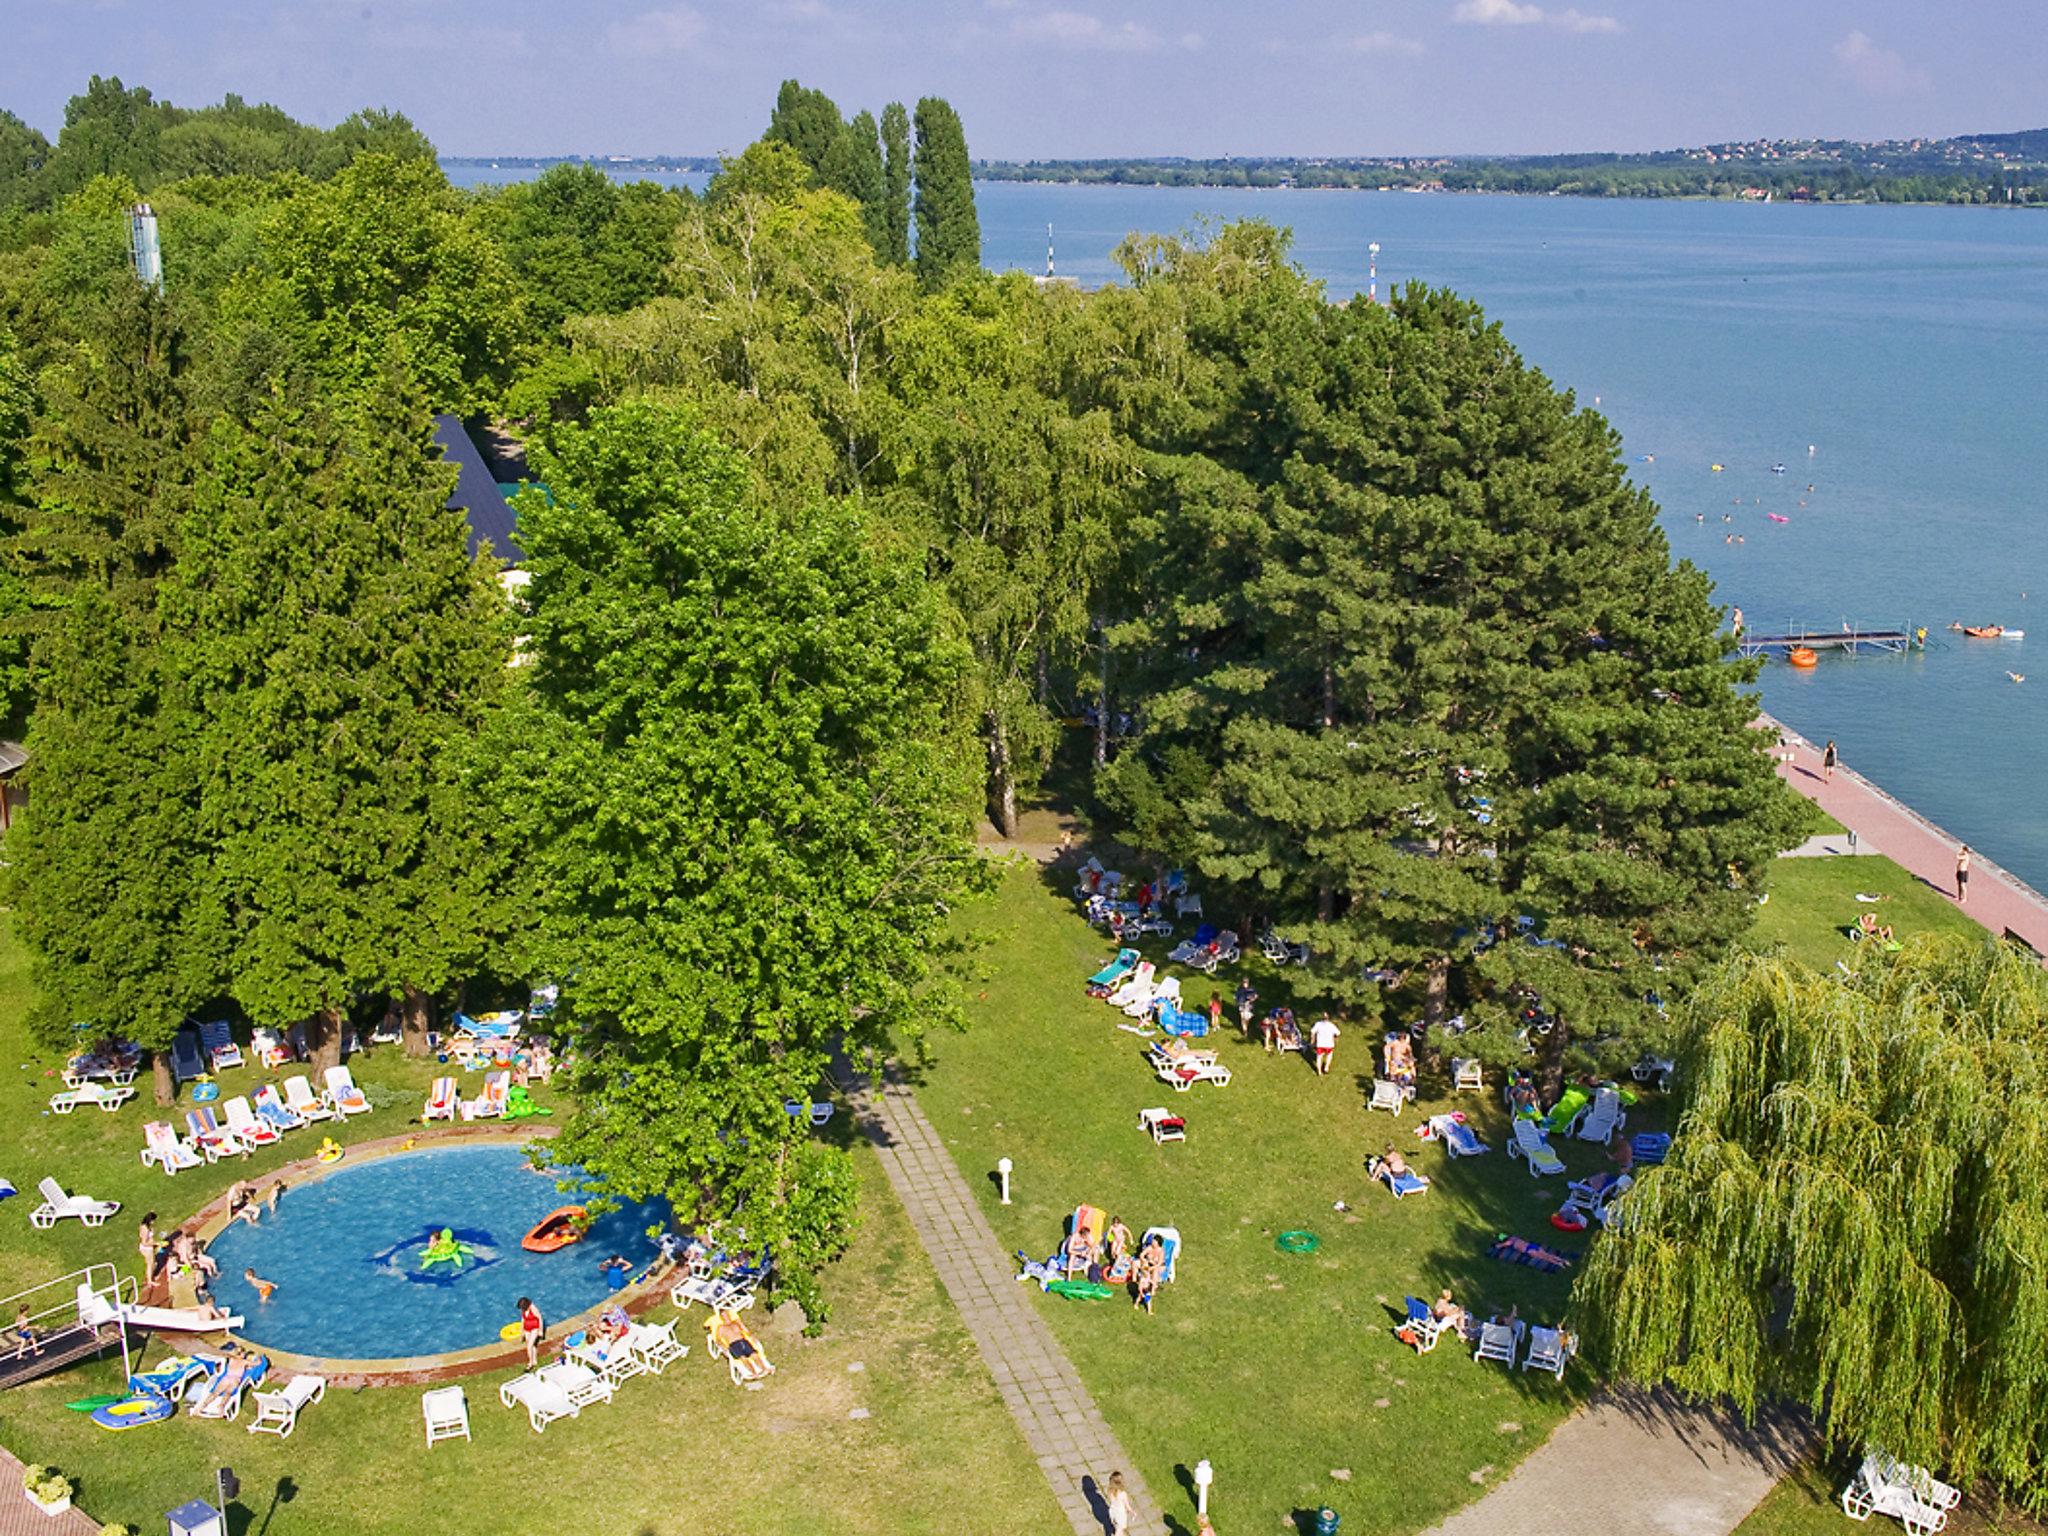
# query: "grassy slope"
685,1452
1279,1369
1813,901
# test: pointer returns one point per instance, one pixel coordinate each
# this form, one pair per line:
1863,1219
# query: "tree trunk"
160,1073
1550,1076
1002,783
323,1039
1436,992
1102,708
416,1017
1044,675
1326,903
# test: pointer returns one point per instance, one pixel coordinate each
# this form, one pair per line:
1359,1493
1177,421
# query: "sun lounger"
1599,1120
714,1290
186,1061
243,1375
1188,950
245,1127
726,1338
1593,1196
99,1095
446,1411
1458,1138
343,1093
1125,962
1163,1125
273,1049
206,1133
1405,1183
582,1385
1467,1072
1421,1327
544,1401
1387,1096
300,1099
1529,1143
1883,1486
655,1344
443,1103
163,1146
1137,984
272,1109
1181,1076
1169,1243
57,1205
1498,1341
1549,1348
613,1362
218,1041
277,1413
490,1103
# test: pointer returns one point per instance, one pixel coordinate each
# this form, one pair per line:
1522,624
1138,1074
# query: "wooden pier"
1895,641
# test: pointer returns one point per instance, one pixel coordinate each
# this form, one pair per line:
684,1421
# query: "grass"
1807,1504
683,1452
1281,1370
1813,903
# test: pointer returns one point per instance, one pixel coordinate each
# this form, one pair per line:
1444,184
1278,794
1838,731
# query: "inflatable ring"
1568,1221
1297,1241
509,1333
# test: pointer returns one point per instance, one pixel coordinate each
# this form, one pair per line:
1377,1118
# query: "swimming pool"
345,1253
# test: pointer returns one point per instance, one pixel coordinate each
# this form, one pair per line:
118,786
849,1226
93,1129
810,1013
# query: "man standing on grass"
1323,1036
1246,997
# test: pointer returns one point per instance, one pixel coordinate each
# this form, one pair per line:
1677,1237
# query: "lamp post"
1003,1172
1204,1476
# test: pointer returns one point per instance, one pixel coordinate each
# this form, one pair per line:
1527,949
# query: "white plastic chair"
579,1383
655,1345
446,1411
100,1095
1497,1341
1549,1348
163,1146
1466,1072
1530,1145
1162,1124
343,1093
300,1099
245,1127
57,1205
277,1413
544,1401
1387,1096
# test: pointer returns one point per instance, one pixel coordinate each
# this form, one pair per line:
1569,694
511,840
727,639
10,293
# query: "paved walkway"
1642,1464
1064,1428
2000,901
18,1517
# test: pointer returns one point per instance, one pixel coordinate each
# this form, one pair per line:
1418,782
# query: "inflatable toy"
442,1248
558,1229
133,1412
330,1151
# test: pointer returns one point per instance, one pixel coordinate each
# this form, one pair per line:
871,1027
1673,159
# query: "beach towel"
1519,1250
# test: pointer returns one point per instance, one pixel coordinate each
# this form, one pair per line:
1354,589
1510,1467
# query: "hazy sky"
1072,77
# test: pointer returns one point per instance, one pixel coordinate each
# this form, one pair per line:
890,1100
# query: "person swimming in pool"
262,1287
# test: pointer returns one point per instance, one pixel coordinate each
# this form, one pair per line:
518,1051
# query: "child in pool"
262,1287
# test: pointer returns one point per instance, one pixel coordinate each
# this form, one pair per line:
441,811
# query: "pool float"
1297,1242
204,1092
330,1151
1988,631
1570,1219
442,1248
558,1229
1080,1290
519,1105
134,1412
510,1333
1802,657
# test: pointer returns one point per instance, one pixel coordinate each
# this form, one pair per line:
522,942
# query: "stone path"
18,1517
2002,902
1644,1464
1075,1447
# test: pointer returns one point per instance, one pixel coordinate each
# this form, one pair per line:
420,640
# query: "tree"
808,122
372,131
375,270
747,812
581,244
23,153
948,231
893,249
854,168
338,648
107,872
1853,1212
109,130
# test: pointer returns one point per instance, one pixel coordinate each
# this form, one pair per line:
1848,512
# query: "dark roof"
476,494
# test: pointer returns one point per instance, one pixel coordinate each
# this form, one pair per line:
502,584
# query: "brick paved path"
1066,1432
18,1517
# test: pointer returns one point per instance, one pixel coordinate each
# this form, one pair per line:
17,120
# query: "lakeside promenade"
2002,902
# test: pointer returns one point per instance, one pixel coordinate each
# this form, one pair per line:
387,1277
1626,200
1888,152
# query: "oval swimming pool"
345,1252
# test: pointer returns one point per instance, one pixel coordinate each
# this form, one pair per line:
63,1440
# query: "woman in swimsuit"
1963,875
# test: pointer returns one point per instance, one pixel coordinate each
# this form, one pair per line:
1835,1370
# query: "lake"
1893,359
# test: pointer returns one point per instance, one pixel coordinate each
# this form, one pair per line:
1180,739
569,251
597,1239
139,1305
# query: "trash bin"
1327,1521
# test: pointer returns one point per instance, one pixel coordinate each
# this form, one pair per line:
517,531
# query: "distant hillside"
1976,168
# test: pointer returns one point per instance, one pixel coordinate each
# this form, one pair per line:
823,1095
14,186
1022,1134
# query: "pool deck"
212,1219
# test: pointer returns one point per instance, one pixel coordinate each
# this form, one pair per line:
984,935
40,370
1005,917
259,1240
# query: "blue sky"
1073,77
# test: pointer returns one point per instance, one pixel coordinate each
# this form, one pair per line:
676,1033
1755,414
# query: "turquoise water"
1908,347
345,1255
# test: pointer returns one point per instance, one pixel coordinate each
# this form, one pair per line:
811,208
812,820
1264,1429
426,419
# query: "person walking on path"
1827,762
1118,1503
1963,875
1323,1036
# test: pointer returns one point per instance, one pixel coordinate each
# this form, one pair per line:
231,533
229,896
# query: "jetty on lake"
1846,638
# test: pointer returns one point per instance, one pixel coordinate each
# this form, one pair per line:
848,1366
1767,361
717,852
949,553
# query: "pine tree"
894,247
1853,1213
854,167
808,122
948,231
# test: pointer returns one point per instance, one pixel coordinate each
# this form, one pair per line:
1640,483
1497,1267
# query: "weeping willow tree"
1855,1213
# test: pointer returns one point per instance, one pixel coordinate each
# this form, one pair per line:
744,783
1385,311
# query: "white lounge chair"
1549,1348
1882,1486
245,1127
1387,1096
1599,1120
446,1411
106,1096
614,1363
816,1113
164,1147
490,1104
205,1132
57,1205
300,1099
343,1093
654,1344
1183,1075
1162,1125
1467,1072
277,1413
1497,1341
219,1043
1422,1324
443,1102
273,1110
544,1401
580,1383
714,1290
1529,1143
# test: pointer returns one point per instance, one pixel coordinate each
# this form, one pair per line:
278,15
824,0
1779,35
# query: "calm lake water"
1893,359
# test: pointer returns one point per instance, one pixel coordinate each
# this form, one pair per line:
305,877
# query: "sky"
1072,78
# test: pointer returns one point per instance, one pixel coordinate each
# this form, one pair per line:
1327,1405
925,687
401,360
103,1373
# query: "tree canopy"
1855,1211
948,229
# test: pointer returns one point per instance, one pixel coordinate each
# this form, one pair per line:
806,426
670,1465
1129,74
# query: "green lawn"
682,1453
1813,903
1281,1370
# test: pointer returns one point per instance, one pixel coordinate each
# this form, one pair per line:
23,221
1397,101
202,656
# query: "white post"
1372,273
1204,1473
1003,1171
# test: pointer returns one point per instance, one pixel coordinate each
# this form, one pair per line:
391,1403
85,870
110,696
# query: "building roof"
476,494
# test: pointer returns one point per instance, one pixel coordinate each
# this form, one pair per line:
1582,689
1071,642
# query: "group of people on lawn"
1112,1262
1279,1030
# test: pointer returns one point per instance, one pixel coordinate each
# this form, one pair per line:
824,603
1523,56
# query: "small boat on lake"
1992,632
1802,656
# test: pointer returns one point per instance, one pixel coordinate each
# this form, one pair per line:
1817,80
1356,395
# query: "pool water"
345,1253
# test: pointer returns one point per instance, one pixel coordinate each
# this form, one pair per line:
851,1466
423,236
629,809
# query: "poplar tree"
808,122
894,247
948,231
1853,1215
854,167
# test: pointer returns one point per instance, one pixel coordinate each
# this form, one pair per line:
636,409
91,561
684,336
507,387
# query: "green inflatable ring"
1297,1241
